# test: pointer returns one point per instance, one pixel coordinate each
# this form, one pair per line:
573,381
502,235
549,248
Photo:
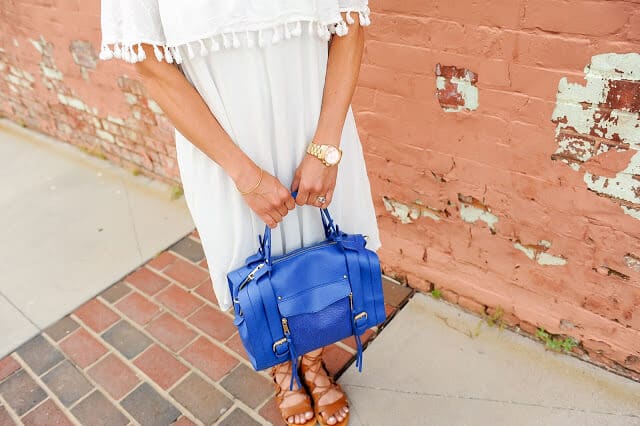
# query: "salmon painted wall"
502,140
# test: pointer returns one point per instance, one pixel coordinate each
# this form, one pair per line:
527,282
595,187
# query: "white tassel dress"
266,92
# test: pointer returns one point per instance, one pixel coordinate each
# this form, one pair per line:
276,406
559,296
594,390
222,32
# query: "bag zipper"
303,250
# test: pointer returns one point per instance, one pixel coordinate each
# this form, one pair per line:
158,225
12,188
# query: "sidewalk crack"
476,398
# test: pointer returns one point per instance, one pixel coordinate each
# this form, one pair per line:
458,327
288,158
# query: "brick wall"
501,137
51,80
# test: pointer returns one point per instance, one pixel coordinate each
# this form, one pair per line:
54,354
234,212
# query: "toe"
291,419
331,420
309,415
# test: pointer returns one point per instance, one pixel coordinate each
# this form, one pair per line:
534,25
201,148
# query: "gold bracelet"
255,186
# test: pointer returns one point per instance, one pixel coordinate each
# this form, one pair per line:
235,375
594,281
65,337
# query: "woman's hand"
313,179
271,200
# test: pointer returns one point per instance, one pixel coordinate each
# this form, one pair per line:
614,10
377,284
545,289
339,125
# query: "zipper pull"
285,326
351,300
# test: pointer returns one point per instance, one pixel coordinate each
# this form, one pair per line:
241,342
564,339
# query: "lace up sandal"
283,392
323,412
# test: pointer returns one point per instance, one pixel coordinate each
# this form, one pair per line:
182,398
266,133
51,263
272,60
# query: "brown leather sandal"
282,392
323,412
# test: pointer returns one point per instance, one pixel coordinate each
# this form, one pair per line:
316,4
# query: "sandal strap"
282,392
318,391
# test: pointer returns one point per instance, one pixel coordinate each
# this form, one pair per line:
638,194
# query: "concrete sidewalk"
71,225
425,369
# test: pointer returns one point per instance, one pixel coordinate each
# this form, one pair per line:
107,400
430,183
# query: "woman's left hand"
312,180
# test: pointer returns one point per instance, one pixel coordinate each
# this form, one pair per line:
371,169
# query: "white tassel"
190,51
167,55
341,28
225,41
159,55
236,41
260,39
350,19
176,54
126,54
297,30
106,53
203,48
141,53
310,27
215,46
319,30
250,41
117,52
276,35
287,33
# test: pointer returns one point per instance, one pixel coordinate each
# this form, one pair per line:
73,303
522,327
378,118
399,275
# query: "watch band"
319,151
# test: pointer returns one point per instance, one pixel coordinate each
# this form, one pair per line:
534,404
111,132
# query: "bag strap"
327,222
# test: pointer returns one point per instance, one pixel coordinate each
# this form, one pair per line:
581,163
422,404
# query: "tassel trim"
133,53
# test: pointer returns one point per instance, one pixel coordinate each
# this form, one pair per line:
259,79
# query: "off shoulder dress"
260,67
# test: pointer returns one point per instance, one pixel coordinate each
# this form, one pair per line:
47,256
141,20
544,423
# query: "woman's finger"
303,196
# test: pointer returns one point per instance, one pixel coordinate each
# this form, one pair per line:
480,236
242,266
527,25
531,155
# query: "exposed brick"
238,417
61,328
82,348
39,354
202,399
183,421
115,292
271,413
188,248
394,293
162,260
96,315
160,366
247,385
186,273
179,301
5,417
170,331
335,358
147,281
148,407
97,409
126,339
213,322
114,376
235,343
206,290
365,337
138,308
208,358
8,366
67,383
47,413
21,392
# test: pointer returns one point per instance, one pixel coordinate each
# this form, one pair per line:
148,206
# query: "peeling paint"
407,213
538,252
600,116
632,261
456,88
472,210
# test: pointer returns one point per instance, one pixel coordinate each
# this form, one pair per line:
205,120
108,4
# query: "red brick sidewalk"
153,349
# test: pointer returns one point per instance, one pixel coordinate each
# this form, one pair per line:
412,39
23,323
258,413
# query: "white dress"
267,96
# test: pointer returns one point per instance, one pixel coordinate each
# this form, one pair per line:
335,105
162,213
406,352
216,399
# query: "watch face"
332,156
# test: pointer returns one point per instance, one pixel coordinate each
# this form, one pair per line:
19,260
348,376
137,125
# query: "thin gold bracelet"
255,186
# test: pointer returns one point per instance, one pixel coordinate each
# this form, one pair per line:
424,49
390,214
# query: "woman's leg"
317,379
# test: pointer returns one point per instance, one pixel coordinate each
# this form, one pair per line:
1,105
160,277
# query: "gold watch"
329,155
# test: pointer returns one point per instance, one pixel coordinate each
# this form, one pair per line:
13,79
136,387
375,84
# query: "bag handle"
327,222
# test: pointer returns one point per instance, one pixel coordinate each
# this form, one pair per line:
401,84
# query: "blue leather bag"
288,305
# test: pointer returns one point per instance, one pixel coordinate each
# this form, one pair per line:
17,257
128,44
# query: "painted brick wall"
506,174
501,137
51,80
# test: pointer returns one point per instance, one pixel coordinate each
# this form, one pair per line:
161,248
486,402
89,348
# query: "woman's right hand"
270,200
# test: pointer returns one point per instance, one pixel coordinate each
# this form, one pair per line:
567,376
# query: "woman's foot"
329,399
295,405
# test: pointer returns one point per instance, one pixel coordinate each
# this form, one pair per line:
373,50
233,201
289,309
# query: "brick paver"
153,349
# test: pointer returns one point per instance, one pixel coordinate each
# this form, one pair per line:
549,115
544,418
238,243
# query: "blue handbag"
313,296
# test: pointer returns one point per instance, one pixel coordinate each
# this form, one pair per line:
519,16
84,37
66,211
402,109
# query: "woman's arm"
188,112
312,177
